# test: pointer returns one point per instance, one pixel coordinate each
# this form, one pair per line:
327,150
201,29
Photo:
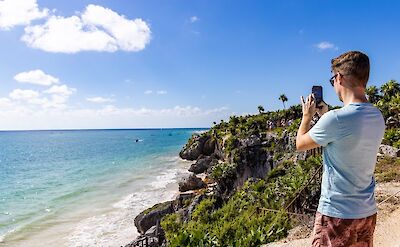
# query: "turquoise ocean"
84,187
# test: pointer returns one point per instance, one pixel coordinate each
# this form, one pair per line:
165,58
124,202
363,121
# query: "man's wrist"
307,117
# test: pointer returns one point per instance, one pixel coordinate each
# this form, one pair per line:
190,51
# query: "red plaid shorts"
335,232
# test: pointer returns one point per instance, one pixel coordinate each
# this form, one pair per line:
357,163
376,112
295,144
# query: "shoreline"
111,225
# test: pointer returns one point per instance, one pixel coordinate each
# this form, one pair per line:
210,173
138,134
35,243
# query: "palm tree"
260,109
372,93
283,98
390,88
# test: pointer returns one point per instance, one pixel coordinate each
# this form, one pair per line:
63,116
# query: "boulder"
202,164
182,198
209,146
389,151
191,183
148,218
195,146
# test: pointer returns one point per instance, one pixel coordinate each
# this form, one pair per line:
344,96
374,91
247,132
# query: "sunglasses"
332,80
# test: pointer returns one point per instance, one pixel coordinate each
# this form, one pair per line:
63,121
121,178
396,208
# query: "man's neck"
354,97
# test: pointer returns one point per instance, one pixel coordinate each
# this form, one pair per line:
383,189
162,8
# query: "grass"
387,169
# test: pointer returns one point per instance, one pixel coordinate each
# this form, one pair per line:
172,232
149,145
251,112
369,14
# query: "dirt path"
387,231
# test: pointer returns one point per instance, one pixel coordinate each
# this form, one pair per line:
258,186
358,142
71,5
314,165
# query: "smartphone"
317,91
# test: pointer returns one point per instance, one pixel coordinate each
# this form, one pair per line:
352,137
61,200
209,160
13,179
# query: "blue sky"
147,64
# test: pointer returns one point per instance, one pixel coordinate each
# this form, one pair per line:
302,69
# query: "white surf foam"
116,228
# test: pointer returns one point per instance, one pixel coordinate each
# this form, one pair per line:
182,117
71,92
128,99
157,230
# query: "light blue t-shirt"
351,137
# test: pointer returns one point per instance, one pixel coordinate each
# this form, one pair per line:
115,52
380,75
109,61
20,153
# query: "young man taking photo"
350,137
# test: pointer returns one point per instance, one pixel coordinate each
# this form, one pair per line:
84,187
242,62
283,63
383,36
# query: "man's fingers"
302,100
310,99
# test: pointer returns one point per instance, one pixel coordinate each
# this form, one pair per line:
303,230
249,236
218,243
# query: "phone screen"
317,91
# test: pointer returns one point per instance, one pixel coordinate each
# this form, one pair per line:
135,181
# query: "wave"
116,227
76,225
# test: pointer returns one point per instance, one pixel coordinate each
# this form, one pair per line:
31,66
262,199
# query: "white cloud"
161,92
57,97
193,19
5,102
18,116
326,45
61,90
23,95
36,77
19,12
99,100
97,29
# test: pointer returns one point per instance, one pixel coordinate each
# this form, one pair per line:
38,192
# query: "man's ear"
339,79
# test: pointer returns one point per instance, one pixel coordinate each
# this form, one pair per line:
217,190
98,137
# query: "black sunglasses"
332,80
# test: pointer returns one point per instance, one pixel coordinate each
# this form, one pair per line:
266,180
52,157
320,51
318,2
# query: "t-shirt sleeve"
326,130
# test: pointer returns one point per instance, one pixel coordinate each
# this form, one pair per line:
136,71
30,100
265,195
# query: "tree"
372,93
283,98
233,120
390,88
260,109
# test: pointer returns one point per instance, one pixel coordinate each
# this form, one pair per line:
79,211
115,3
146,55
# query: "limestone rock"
148,218
191,183
389,151
198,145
250,141
202,164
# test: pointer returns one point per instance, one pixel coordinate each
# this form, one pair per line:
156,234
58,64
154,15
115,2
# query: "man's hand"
323,108
309,107
303,139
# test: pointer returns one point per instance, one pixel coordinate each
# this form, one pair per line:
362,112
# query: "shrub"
241,221
392,137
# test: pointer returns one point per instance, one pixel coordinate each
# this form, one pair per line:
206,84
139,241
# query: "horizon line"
85,129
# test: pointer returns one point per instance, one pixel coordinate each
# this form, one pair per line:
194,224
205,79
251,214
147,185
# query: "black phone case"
317,91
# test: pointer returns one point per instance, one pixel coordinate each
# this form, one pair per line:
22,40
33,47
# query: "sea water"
84,187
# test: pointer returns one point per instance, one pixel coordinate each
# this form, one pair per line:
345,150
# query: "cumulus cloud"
148,92
23,95
161,92
96,29
194,19
61,90
54,97
19,12
99,100
325,45
36,77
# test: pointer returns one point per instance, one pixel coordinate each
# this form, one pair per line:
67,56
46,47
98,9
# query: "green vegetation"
223,171
260,109
387,169
392,137
283,98
242,220
387,99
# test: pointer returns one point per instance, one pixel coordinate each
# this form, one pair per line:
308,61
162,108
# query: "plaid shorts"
335,232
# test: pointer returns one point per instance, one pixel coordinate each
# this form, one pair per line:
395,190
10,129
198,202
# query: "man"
351,136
